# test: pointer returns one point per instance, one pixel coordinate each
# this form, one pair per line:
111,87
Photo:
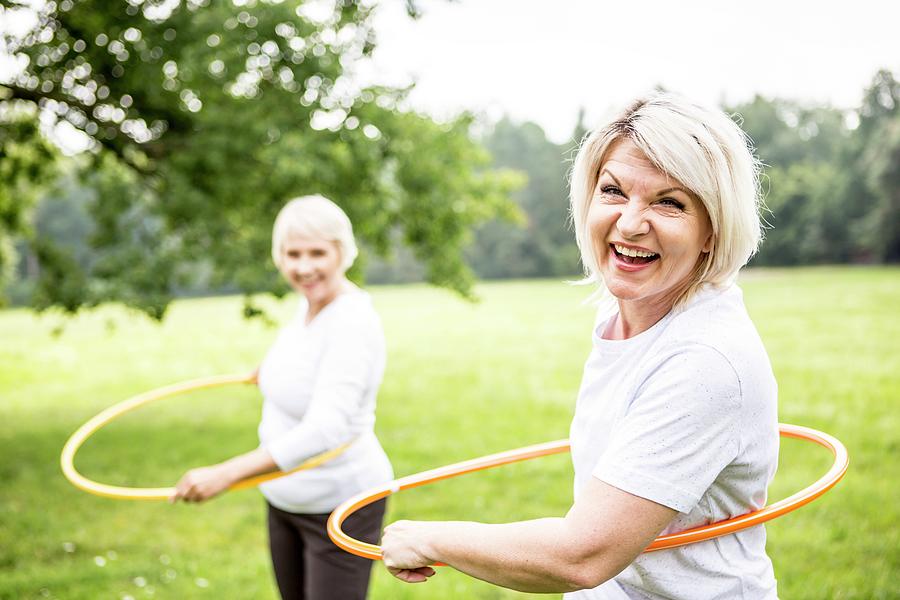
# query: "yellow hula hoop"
67,458
777,509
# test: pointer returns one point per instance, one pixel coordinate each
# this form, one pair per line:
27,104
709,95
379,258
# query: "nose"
632,222
300,265
304,266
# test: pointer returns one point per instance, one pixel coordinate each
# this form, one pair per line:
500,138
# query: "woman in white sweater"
319,382
675,424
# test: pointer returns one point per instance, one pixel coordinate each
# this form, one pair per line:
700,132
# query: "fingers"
405,553
419,575
189,488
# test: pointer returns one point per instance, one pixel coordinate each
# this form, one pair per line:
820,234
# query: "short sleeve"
680,430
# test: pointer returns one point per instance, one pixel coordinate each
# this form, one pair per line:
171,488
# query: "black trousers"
308,566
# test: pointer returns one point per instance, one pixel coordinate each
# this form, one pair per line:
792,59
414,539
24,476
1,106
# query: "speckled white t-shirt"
684,414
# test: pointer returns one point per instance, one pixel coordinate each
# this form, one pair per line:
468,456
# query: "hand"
404,551
202,484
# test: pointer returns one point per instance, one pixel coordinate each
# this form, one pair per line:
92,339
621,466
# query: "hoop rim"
793,502
75,441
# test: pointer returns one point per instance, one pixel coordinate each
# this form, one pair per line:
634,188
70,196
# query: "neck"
637,316
314,308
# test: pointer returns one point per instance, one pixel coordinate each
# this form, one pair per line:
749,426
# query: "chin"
623,290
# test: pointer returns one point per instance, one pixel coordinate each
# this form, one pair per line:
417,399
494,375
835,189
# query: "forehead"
305,242
625,160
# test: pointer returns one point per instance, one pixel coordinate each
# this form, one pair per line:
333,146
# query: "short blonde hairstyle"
704,150
314,217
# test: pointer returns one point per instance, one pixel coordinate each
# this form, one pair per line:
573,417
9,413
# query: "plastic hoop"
706,532
67,458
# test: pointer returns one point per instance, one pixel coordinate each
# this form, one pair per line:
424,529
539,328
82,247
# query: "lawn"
463,380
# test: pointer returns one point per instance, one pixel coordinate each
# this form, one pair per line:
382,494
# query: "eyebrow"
658,194
673,189
602,171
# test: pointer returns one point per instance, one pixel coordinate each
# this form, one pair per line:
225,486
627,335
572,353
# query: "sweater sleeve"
342,405
680,431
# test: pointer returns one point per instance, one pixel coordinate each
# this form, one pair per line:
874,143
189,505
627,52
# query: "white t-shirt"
684,414
319,382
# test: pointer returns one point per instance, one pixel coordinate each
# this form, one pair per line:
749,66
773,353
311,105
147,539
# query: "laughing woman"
675,424
319,382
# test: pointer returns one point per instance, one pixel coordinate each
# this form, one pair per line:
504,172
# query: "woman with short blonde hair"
319,382
675,424
702,148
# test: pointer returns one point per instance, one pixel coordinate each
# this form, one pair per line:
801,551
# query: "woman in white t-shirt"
675,424
319,382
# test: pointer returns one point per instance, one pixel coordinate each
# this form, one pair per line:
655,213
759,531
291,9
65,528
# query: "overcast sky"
542,60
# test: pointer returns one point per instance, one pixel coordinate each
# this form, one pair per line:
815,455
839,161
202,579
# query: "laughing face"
649,232
313,268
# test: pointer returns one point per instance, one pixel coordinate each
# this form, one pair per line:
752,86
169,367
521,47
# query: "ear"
708,244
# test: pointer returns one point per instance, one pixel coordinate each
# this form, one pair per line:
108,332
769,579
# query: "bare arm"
602,533
204,483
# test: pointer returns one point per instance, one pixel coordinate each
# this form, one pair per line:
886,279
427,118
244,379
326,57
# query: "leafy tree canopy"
203,118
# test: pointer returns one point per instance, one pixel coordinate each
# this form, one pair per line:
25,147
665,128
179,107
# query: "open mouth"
632,256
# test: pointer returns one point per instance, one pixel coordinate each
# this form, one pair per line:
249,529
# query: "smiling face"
313,268
648,231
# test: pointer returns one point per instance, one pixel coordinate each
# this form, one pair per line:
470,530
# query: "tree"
26,166
542,245
805,181
875,155
204,117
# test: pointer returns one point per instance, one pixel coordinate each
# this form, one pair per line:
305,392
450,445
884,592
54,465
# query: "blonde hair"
705,151
314,217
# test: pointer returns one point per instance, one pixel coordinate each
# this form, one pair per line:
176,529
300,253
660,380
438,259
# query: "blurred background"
136,136
146,146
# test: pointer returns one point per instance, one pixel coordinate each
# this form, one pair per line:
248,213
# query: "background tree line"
831,185
202,118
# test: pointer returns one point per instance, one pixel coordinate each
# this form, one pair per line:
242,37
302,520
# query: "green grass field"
463,380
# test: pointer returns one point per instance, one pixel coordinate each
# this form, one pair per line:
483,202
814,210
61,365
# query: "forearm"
255,462
602,534
204,483
542,555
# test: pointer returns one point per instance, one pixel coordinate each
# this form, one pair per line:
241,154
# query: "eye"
318,252
672,202
611,190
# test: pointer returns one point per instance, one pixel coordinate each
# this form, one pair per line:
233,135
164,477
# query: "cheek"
331,265
599,220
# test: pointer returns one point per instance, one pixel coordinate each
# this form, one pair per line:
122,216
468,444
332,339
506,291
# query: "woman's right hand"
202,483
404,553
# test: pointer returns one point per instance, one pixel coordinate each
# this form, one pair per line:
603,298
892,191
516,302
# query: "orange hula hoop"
67,458
706,532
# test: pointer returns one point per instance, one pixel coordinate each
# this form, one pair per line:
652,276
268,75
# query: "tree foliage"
540,244
832,189
26,167
204,117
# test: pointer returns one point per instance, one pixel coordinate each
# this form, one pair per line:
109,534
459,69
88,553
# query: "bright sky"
541,61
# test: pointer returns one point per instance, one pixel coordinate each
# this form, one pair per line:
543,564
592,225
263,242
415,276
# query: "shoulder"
714,339
354,315
692,372
717,318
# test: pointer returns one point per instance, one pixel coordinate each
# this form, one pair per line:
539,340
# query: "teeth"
633,253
